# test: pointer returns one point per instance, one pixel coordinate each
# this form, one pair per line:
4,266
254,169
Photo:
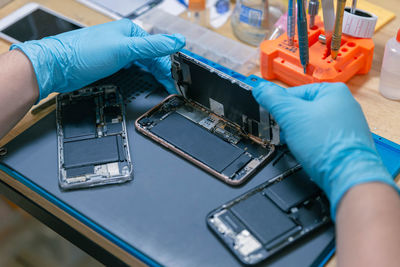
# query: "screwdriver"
337,33
302,33
313,6
353,6
291,21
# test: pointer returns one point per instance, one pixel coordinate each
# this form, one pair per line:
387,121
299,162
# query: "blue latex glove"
325,129
71,60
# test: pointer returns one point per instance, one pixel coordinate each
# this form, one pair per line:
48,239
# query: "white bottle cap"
361,24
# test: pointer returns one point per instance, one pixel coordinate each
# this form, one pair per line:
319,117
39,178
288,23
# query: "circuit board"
92,140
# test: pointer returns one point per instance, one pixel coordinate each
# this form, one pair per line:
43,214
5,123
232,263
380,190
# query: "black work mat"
162,211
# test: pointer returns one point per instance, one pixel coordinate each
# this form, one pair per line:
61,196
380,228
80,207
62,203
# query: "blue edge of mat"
389,151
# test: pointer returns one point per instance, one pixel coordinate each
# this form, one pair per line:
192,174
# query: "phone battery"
197,141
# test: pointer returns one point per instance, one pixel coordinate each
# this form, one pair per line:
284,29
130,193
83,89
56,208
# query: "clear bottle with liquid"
252,20
389,85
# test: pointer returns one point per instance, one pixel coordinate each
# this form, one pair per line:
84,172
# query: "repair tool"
291,21
280,61
353,6
337,34
302,33
313,6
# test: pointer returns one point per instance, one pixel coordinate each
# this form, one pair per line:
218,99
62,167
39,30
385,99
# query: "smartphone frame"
188,157
227,240
25,11
63,184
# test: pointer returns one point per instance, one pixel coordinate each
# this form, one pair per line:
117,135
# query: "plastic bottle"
252,20
389,85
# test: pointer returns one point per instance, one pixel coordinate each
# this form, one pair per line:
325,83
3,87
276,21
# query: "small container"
252,20
389,85
197,12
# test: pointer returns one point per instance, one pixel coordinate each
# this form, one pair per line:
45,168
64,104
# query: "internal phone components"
92,140
224,94
196,141
292,190
228,133
209,122
265,219
202,136
90,151
255,226
79,119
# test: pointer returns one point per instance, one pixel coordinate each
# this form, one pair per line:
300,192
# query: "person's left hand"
74,59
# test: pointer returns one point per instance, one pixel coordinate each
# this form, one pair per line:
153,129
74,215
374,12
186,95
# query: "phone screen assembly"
33,22
272,216
92,139
215,123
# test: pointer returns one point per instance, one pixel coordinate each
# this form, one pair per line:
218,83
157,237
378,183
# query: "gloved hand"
71,60
325,129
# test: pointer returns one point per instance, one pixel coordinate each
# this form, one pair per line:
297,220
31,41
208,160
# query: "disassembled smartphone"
92,139
215,122
272,216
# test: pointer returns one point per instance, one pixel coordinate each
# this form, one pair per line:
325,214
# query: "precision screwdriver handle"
337,33
353,6
302,32
303,41
291,21
313,7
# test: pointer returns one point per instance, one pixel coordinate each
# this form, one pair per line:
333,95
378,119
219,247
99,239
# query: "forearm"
368,226
18,89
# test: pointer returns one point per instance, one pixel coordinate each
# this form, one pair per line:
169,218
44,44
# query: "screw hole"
351,44
339,70
344,49
355,57
339,54
283,61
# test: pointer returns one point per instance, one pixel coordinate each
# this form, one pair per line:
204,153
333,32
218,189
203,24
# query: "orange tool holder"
281,61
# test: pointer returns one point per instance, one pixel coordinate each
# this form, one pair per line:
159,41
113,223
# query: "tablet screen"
37,25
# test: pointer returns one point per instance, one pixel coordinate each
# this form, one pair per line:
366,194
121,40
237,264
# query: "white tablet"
32,22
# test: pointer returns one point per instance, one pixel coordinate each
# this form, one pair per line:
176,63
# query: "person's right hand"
325,129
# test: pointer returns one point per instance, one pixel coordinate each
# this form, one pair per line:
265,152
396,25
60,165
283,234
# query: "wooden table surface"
383,115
